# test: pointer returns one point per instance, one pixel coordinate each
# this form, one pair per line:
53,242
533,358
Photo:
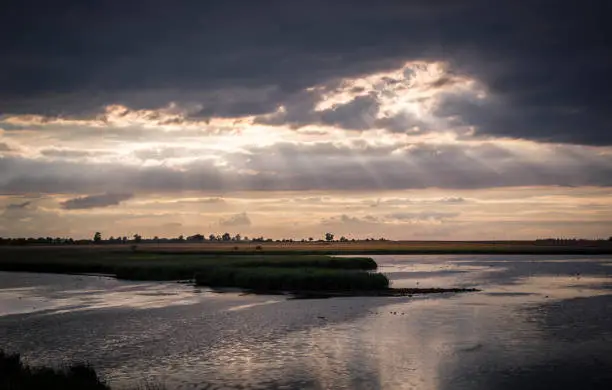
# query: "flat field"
348,248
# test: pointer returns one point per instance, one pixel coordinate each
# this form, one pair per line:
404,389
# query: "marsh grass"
292,279
16,375
308,261
255,271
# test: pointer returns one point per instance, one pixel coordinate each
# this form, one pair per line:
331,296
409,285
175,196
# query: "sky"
416,120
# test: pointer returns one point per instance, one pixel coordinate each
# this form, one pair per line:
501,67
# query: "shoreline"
387,293
317,248
291,294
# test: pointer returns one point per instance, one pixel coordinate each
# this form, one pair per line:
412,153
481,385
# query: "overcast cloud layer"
546,62
105,105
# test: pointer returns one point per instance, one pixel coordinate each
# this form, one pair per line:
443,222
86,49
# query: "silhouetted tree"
97,237
181,238
196,237
310,239
212,237
329,237
237,237
137,238
226,237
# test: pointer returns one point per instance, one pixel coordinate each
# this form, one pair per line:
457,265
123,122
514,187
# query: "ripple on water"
534,313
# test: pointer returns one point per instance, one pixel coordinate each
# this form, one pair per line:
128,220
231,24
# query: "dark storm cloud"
359,114
299,110
546,62
95,201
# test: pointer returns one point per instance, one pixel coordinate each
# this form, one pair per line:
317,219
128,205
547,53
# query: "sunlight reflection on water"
534,315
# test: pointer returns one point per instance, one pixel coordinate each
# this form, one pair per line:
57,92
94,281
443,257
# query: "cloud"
311,199
370,218
117,123
452,200
402,216
399,100
421,216
166,153
344,219
545,123
496,213
406,201
65,153
95,201
359,114
538,86
18,206
358,166
215,200
161,153
241,219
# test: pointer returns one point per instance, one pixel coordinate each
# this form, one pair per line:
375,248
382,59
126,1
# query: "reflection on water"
540,322
55,294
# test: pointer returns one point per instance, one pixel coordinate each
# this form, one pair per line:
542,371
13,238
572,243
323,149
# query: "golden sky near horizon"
378,155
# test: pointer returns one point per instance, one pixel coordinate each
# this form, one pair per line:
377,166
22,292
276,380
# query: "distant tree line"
565,241
98,238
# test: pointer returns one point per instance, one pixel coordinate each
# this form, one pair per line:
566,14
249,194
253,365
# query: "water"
540,323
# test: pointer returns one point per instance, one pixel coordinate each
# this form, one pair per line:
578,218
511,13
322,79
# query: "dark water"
540,323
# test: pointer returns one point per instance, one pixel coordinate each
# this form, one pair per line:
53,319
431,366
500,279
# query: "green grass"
308,261
254,272
292,279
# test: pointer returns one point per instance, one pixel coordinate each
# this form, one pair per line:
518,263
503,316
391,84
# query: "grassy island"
300,274
253,272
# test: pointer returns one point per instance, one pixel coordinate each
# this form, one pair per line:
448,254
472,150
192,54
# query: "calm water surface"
540,323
